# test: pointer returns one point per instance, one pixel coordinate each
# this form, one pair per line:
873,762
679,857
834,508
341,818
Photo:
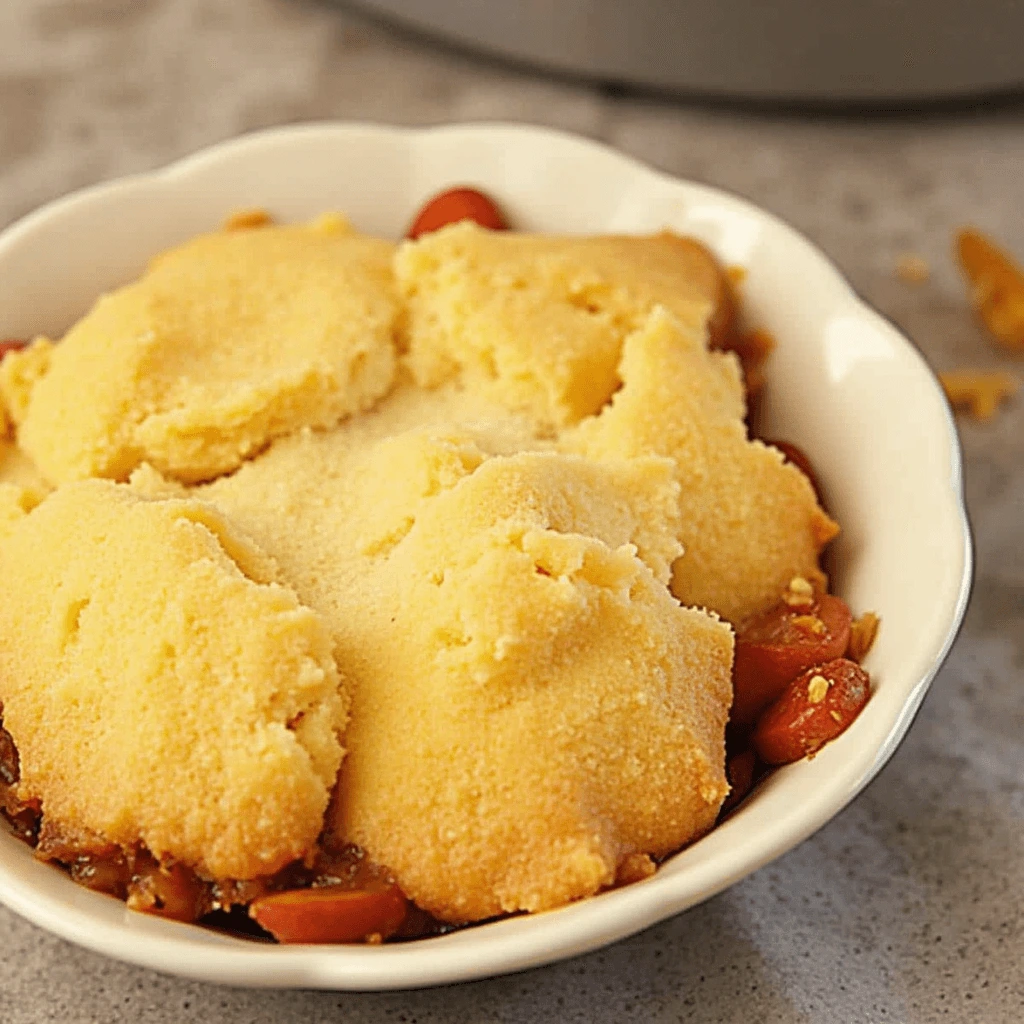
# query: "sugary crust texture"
749,521
17,470
537,322
480,536
20,371
531,706
160,687
566,712
22,486
227,342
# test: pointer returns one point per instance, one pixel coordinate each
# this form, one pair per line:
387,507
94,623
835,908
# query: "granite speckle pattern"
907,907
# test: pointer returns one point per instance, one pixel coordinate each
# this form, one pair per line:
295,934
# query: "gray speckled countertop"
907,907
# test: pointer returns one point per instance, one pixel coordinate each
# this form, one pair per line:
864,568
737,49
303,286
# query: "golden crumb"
836,716
978,392
809,624
736,274
912,269
635,868
332,223
799,593
817,688
997,286
243,220
862,636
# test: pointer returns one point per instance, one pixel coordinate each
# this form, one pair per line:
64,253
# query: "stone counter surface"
907,907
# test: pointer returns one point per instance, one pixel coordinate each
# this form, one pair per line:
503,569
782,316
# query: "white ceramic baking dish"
844,384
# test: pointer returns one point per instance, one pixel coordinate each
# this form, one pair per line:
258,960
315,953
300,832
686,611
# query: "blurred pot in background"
805,51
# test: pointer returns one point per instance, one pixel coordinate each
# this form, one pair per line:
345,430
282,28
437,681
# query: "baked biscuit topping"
749,521
225,343
160,686
445,506
537,323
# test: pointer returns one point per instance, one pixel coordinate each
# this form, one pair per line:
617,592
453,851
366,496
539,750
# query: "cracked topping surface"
468,498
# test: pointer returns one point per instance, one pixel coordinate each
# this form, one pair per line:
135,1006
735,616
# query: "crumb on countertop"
996,286
912,268
979,392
